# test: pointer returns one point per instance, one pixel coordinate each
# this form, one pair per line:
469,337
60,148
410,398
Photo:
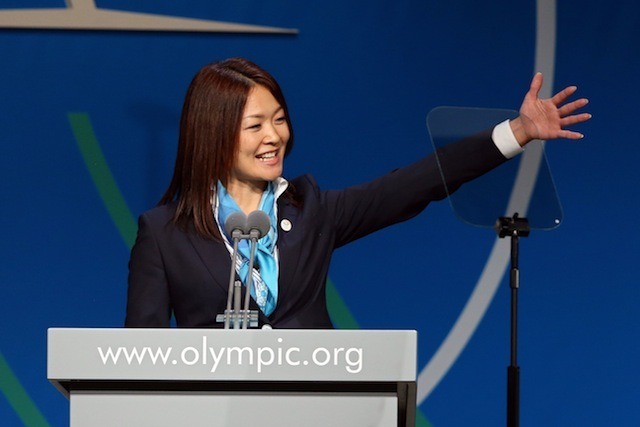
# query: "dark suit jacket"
173,270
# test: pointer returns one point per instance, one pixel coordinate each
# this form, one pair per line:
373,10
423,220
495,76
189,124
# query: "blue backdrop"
84,110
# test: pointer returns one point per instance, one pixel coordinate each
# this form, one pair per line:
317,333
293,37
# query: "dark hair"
209,135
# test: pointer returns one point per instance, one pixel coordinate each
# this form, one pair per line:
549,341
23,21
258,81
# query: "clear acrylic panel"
523,185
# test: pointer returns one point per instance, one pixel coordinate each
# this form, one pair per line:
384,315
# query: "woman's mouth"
267,156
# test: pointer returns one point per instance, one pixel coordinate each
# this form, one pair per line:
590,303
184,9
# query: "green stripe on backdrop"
421,420
126,225
102,177
18,398
338,310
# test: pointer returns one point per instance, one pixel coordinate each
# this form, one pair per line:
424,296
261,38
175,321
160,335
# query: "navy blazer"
172,270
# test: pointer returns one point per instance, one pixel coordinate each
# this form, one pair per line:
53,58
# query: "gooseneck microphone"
258,224
242,227
235,226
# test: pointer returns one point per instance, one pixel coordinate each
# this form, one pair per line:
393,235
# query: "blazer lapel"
215,257
287,256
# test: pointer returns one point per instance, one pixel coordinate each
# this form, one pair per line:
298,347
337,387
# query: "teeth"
267,156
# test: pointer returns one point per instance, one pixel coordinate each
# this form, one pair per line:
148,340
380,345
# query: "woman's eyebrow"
262,116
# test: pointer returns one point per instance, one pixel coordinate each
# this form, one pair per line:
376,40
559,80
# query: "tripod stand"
514,227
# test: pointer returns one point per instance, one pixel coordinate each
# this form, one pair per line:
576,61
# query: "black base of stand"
513,396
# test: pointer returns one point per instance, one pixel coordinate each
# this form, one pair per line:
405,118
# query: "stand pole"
513,371
514,227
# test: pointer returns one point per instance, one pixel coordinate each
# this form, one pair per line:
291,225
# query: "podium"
206,377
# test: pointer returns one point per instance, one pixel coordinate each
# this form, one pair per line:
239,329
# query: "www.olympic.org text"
351,358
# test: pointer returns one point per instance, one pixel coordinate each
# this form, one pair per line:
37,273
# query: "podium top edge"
217,330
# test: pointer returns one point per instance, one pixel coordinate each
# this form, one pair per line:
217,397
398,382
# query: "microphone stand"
241,318
236,235
254,242
514,227
237,224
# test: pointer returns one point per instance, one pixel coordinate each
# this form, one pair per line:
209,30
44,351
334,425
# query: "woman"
234,136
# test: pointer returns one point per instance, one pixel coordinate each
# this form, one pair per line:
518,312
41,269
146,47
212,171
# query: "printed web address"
351,358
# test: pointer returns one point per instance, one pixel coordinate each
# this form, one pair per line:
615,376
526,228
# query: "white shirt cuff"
505,140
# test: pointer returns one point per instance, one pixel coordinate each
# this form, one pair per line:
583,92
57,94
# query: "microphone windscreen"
236,221
258,220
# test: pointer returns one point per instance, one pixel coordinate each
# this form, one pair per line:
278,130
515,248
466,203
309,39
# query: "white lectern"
205,377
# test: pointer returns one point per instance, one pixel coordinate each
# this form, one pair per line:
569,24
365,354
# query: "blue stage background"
360,79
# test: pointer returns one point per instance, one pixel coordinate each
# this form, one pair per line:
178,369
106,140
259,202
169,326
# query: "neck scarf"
265,279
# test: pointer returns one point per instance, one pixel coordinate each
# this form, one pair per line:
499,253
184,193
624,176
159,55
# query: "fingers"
568,134
563,95
572,120
536,85
569,108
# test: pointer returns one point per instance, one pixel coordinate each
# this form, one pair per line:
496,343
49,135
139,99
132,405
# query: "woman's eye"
281,119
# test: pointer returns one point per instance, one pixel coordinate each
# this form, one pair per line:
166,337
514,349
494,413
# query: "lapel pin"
286,225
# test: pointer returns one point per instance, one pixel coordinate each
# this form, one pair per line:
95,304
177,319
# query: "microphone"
235,226
258,225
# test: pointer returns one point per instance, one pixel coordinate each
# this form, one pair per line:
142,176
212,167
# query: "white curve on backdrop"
485,289
85,15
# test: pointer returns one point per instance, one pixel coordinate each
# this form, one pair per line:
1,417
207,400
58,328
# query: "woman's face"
264,134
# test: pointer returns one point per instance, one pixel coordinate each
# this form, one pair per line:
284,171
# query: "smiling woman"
224,115
264,134
234,136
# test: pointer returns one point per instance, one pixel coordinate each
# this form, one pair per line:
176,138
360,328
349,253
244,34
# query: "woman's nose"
272,136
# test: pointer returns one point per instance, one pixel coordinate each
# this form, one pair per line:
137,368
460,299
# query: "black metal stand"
514,227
